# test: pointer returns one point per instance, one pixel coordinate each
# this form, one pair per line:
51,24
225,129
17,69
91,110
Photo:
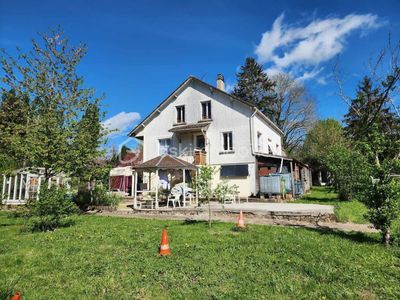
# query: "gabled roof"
165,162
213,89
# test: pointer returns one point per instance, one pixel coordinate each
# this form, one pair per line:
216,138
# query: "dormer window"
206,110
180,114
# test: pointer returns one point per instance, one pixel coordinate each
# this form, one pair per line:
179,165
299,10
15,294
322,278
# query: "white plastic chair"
175,197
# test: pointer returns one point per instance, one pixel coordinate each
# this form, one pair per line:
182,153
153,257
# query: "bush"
48,223
223,190
52,210
100,196
350,170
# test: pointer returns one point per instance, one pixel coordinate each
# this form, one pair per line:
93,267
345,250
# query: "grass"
116,258
345,211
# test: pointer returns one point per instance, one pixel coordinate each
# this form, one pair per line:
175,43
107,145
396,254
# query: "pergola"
25,184
163,162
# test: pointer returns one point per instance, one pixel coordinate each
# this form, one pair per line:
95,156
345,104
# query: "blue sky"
140,51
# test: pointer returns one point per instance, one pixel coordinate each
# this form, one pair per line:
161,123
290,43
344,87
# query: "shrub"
100,196
223,190
48,223
350,170
52,210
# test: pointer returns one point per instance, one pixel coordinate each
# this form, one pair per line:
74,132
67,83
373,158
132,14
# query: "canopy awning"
165,162
121,171
188,128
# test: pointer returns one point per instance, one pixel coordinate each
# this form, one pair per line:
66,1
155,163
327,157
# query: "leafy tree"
284,100
349,168
293,110
382,197
318,142
48,75
375,131
89,166
371,122
52,211
14,114
203,184
254,86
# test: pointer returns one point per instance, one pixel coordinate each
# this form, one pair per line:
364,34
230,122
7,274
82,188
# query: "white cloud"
229,87
300,50
121,123
309,74
322,81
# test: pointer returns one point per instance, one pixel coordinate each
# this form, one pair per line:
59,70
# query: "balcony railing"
200,157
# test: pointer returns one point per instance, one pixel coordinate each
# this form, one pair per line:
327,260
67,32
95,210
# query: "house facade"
203,124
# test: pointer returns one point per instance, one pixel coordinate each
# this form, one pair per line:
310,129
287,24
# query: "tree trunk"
209,212
91,190
386,237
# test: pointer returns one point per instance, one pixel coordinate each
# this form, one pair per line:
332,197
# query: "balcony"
200,157
196,157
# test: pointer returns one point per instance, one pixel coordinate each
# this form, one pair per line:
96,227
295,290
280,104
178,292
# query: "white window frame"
229,141
180,114
208,110
160,146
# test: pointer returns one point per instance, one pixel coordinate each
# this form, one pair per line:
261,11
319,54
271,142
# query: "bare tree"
293,110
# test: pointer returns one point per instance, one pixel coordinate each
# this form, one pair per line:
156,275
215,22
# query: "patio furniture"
165,162
175,196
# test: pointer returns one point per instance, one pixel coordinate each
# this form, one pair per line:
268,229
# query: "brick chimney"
220,82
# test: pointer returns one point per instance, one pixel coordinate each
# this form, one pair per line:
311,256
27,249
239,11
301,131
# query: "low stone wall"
198,212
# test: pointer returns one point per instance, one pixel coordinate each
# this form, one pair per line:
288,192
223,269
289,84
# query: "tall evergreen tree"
371,122
375,132
254,86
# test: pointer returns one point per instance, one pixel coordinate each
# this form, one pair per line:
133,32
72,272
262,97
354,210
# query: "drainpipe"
252,146
251,131
206,140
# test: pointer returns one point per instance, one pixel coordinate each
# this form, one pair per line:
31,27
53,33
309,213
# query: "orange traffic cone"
164,248
17,296
240,223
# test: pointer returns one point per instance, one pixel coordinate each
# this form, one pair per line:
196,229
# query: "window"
200,142
234,171
165,145
259,142
180,114
270,150
206,110
227,141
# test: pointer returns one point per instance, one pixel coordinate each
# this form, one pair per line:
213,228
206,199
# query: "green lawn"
346,211
116,258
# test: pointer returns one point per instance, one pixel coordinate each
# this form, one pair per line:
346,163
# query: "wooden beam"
4,187
184,186
9,187
197,190
20,186
38,189
135,189
27,187
292,177
156,184
15,188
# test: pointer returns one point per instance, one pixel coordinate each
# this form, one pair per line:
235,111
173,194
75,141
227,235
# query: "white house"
203,124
